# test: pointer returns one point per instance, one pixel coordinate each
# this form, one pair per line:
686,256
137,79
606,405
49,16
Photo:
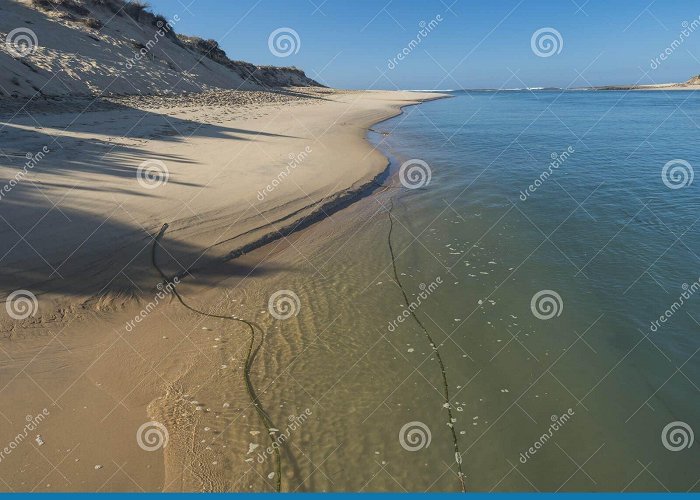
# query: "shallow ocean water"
541,308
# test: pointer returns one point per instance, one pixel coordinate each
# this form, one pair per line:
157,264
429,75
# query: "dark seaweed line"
250,357
445,387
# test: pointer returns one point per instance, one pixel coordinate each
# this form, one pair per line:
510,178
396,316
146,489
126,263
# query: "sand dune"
89,48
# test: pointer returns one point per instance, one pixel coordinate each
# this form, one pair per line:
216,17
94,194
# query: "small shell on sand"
271,475
98,466
252,447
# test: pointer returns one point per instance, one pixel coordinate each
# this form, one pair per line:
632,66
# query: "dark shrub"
93,23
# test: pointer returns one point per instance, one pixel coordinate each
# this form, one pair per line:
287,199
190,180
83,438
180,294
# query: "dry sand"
77,232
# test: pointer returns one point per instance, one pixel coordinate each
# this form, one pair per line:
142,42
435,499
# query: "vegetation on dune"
262,75
135,9
87,12
62,5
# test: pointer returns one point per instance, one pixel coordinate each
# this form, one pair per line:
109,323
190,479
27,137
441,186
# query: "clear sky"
478,43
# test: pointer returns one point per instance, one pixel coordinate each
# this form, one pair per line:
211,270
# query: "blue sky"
478,43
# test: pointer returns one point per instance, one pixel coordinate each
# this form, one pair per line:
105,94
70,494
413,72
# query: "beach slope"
226,170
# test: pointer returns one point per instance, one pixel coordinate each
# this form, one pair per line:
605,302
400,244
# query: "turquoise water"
573,393
602,230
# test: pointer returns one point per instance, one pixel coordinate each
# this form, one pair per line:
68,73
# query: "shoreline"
335,202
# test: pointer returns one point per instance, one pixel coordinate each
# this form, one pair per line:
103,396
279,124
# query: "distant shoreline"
692,84
664,86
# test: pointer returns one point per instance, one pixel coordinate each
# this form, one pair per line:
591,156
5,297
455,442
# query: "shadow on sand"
48,246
